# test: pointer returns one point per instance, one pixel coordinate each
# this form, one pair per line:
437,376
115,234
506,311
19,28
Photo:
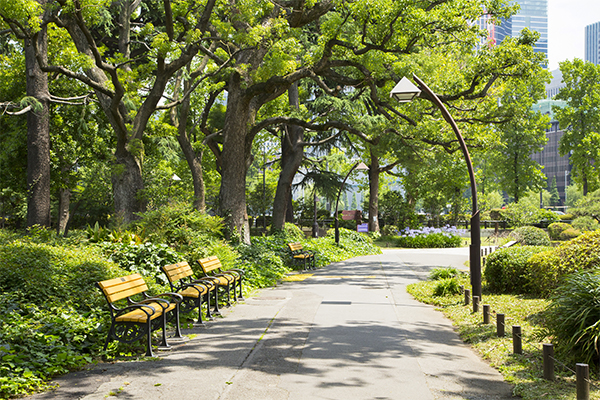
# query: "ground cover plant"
52,317
524,371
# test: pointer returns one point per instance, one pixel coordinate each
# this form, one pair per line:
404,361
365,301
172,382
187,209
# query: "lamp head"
405,91
361,167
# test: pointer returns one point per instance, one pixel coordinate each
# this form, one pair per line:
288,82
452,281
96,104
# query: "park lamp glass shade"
175,177
361,167
405,91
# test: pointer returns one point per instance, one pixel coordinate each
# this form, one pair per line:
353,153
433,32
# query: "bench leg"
241,296
178,334
149,339
216,310
163,343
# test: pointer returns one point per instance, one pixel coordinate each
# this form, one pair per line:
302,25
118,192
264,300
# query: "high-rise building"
592,43
533,14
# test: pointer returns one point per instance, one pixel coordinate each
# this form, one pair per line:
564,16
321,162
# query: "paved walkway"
350,331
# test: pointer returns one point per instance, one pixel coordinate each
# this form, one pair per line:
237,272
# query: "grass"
524,371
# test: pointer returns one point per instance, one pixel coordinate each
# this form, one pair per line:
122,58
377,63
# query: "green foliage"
573,317
144,259
432,240
292,232
570,233
442,273
555,229
447,287
528,212
548,268
506,270
586,224
531,236
395,210
389,230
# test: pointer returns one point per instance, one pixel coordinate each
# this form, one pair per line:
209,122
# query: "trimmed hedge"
548,268
531,236
506,270
555,229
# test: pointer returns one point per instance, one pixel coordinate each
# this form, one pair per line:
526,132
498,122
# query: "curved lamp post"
359,166
406,91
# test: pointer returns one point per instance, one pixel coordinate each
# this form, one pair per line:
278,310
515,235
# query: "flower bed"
447,236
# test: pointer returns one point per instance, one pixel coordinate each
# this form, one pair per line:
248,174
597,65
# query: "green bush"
555,229
531,236
547,268
389,230
442,273
585,224
569,234
432,240
447,287
573,317
507,270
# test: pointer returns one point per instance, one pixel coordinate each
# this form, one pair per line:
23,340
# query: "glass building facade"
533,14
592,43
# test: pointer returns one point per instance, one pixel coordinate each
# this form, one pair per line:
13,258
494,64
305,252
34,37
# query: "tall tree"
580,120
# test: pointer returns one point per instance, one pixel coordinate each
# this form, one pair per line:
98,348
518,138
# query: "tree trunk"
64,202
38,135
194,161
127,186
236,152
374,193
292,152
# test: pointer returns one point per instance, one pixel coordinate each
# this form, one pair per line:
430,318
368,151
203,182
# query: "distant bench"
142,312
301,256
228,279
193,291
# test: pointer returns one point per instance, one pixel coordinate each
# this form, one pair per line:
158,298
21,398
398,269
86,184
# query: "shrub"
442,273
531,236
548,268
430,238
573,317
585,223
569,234
506,270
555,229
447,287
389,230
292,232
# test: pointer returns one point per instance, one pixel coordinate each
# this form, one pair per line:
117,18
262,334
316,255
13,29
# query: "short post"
483,261
467,296
517,343
475,304
548,353
486,313
500,325
582,372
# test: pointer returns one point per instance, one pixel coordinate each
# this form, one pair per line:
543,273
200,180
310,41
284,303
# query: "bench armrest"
136,306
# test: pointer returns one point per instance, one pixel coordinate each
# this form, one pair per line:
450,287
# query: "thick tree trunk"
236,154
374,194
292,152
127,186
194,161
38,136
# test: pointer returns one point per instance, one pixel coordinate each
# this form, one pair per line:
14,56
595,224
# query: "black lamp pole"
475,248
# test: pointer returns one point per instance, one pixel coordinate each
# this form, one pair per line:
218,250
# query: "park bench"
212,268
141,313
301,256
193,291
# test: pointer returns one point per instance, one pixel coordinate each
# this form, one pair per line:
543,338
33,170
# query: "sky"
567,20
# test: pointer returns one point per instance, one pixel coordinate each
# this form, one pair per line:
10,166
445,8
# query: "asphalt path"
346,331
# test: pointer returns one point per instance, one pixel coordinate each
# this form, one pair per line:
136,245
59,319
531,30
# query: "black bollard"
475,304
486,313
583,381
517,343
548,352
500,325
467,297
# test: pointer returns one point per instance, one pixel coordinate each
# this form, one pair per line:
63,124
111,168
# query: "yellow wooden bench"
301,256
141,313
194,291
212,268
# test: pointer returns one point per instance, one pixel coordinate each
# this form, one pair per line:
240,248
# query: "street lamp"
406,91
359,166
